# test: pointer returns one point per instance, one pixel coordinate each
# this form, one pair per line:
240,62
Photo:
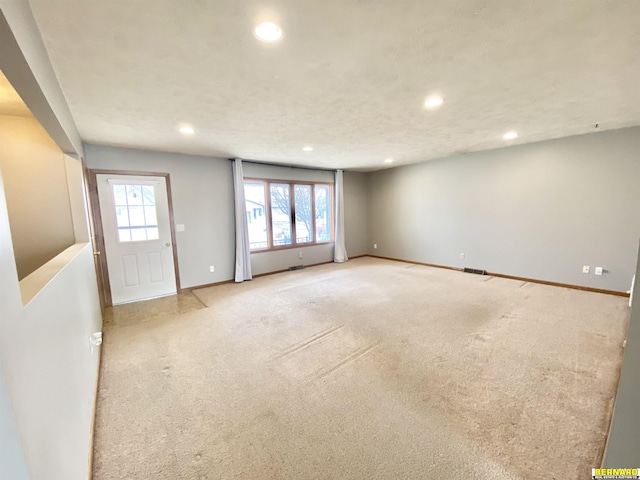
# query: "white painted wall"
48,374
49,371
25,62
541,210
12,463
36,191
77,199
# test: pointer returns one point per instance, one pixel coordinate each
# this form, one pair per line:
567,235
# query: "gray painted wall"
356,204
202,191
540,210
257,170
623,448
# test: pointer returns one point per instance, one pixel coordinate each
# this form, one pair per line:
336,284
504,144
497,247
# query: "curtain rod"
268,164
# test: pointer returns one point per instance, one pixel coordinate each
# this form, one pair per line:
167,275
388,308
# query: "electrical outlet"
299,254
212,268
95,340
585,269
375,245
462,256
599,271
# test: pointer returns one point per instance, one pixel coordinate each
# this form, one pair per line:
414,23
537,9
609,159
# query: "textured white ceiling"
10,101
349,77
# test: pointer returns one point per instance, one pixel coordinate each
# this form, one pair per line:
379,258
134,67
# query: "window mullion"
292,212
268,213
313,213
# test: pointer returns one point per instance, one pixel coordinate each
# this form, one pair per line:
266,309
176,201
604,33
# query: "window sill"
290,247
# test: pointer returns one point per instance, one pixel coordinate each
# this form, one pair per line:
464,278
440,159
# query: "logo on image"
615,473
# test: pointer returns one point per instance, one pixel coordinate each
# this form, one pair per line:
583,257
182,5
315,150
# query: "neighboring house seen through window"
273,205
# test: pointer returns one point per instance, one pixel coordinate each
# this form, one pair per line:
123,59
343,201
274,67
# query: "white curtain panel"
340,251
243,255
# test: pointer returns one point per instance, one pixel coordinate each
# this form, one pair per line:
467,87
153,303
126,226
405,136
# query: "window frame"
292,213
114,208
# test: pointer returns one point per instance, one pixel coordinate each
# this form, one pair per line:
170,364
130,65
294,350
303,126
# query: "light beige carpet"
366,370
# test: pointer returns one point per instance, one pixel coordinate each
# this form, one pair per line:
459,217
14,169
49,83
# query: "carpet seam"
307,342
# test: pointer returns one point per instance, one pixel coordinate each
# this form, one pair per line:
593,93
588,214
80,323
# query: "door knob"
167,244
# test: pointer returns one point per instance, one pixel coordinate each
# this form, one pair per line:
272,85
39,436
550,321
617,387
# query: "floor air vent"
296,267
474,270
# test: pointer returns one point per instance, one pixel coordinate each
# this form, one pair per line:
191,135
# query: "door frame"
92,233
103,275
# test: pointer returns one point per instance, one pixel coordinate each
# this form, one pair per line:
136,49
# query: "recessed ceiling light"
308,148
268,32
187,130
510,135
433,102
389,160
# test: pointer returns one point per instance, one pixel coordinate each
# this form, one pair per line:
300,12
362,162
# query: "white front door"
137,236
